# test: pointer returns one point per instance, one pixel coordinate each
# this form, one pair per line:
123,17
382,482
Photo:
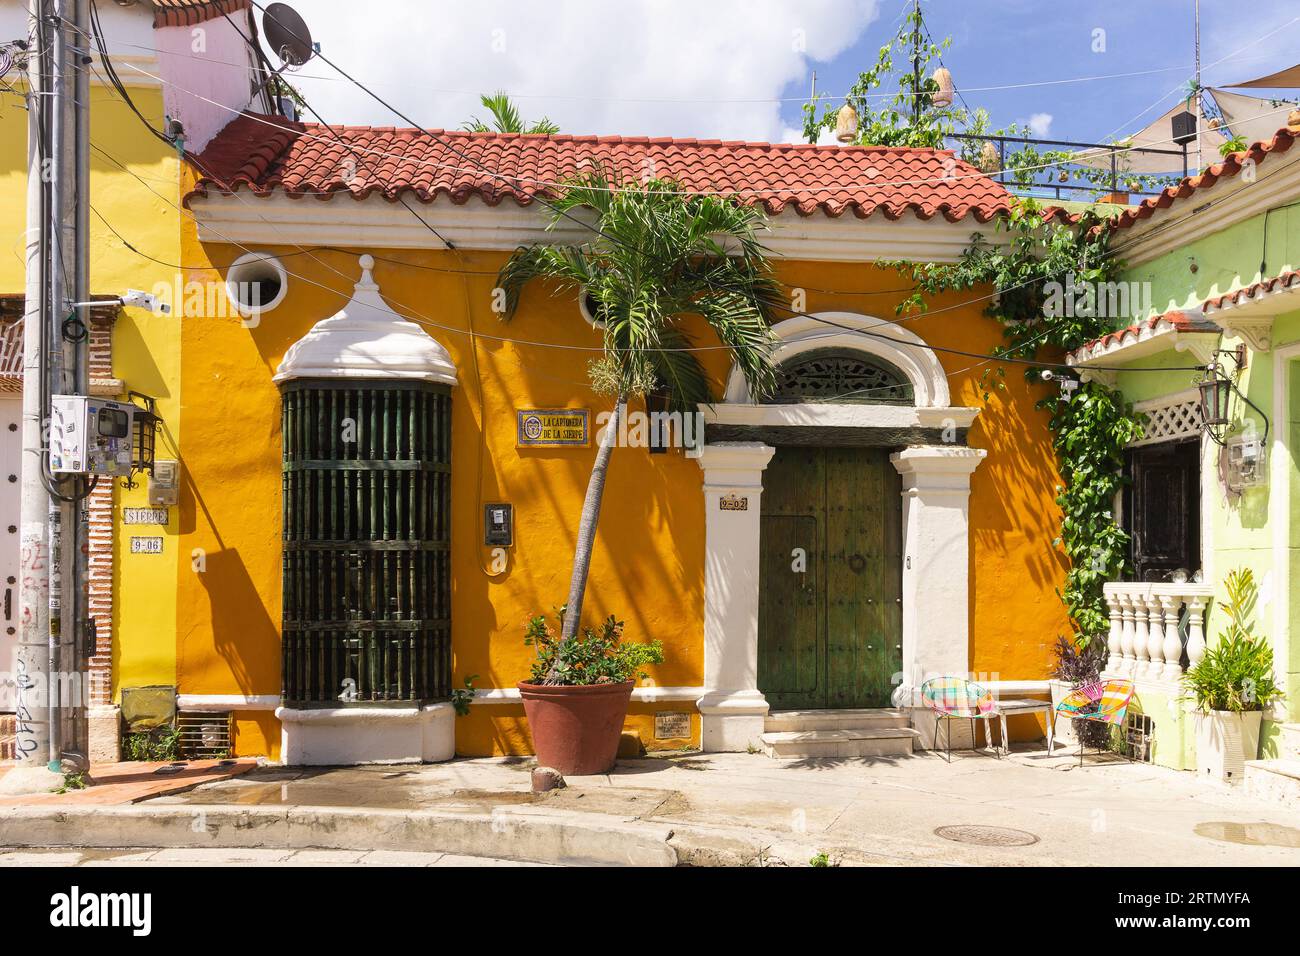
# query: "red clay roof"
1179,320
184,13
1231,166
264,154
1283,281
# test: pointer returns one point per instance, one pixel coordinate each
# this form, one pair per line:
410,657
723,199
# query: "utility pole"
1197,109
50,695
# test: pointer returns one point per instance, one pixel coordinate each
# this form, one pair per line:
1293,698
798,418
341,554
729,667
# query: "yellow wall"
648,563
146,348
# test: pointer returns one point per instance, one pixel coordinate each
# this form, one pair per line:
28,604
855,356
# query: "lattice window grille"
1169,421
840,376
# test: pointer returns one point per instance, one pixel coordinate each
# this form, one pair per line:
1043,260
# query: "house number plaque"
733,503
671,725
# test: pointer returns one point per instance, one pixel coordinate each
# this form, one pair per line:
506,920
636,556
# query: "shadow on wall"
238,617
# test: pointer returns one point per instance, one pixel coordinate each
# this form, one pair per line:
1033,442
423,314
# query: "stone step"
881,742
1288,744
1277,781
8,744
875,718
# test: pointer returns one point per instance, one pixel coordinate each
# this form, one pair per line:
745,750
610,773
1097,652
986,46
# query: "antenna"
288,36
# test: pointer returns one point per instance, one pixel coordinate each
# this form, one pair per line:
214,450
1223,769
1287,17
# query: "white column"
936,563
732,708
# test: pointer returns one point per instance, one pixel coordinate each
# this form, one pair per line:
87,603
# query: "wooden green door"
830,605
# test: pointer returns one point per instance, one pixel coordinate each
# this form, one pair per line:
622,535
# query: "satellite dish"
287,34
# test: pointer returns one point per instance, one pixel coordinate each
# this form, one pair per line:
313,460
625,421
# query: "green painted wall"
1251,529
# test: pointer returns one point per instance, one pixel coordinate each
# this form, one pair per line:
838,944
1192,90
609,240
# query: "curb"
505,833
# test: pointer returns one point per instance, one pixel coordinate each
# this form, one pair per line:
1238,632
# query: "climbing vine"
1050,281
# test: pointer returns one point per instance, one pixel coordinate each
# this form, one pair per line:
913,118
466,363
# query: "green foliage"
506,118
1090,429
593,656
73,781
160,744
461,696
822,858
1236,673
886,119
884,96
1234,145
661,254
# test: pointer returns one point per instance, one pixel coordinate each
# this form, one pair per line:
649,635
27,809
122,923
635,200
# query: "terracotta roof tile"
1231,166
185,13
264,154
1176,320
1285,280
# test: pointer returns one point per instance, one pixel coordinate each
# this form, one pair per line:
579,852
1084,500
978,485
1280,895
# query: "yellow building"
929,515
183,65
925,515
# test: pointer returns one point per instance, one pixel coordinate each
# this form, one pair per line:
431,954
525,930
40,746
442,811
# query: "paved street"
208,856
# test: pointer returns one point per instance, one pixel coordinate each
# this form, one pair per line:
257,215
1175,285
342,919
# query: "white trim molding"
213,703
1248,313
648,694
1211,210
1282,478
278,219
894,343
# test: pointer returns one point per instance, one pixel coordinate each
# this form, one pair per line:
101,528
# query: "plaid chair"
955,698
1103,702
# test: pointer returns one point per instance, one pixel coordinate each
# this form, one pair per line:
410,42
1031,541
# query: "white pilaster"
936,563
732,708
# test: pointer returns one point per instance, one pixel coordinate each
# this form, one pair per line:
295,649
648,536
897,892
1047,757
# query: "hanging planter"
1213,123
846,124
990,161
943,98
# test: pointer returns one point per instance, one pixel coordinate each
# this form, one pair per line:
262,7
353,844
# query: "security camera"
143,300
1047,374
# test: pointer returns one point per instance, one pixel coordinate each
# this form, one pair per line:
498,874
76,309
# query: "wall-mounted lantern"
1215,388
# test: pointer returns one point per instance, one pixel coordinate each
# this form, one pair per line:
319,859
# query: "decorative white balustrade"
1149,624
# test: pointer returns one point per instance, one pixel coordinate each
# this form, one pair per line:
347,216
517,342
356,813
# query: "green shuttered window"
367,560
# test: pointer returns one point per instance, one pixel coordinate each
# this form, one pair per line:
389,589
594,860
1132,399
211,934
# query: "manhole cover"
986,836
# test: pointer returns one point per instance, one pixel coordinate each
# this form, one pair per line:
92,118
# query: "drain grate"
986,836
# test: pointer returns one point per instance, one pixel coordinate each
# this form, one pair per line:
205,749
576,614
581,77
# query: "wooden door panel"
1163,513
790,664
861,565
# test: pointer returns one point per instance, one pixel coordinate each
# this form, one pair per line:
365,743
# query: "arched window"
840,375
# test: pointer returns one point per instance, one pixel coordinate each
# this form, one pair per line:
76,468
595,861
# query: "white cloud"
1040,125
706,68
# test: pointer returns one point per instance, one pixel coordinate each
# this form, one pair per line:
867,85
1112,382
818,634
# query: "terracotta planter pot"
576,729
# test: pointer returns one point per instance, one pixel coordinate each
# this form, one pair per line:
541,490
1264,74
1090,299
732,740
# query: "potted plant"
577,698
1077,663
664,266
1231,686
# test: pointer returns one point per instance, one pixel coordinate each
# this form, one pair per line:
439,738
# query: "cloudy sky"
740,69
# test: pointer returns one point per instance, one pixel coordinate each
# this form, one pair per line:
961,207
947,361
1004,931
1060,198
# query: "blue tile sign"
553,427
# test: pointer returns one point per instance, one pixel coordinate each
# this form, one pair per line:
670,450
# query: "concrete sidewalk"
734,809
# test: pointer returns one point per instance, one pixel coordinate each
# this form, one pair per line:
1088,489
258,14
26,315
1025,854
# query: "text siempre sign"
553,427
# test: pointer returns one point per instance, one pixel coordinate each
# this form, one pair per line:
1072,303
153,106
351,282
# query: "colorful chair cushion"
958,697
1103,701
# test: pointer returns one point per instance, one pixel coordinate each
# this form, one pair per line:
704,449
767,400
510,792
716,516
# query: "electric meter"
90,436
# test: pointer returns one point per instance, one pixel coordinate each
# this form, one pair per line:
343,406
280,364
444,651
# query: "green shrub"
592,656
1236,673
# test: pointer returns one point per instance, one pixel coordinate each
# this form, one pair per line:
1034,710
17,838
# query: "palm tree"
659,255
506,118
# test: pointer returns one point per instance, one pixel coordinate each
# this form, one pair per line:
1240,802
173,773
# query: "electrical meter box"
164,486
499,525
90,436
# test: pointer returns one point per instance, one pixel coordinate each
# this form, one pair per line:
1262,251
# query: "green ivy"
1089,429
